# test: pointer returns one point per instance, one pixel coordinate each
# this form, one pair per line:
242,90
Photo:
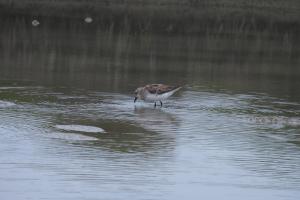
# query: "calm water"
232,132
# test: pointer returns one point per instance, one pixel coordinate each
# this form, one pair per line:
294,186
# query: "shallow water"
232,132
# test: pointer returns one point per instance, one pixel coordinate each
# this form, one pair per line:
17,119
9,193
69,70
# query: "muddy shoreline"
186,17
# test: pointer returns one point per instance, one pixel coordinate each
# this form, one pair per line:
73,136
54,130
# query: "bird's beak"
135,99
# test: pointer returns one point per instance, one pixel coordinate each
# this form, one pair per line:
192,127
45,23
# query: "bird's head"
137,93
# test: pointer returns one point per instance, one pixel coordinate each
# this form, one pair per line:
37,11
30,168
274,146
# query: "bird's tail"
176,88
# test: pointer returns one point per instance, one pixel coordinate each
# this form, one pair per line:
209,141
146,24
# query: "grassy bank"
168,16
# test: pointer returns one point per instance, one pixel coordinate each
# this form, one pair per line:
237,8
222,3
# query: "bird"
155,92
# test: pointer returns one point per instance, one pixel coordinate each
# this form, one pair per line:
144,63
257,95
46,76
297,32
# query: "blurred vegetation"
168,16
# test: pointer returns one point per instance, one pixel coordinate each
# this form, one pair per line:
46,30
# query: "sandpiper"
155,92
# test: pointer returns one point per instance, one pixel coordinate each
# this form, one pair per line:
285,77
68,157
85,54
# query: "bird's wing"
165,88
152,88
159,88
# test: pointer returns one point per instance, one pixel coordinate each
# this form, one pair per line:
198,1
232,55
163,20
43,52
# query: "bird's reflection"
154,116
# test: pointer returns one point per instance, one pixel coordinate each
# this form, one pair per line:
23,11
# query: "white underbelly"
157,97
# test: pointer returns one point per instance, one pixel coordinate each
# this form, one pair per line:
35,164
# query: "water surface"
69,128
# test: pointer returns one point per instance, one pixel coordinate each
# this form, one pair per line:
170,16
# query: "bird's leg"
161,103
155,104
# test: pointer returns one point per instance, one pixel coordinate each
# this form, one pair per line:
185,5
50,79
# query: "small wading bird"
155,92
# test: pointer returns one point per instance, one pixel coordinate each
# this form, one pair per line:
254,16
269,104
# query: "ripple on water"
71,136
80,128
277,121
10,88
5,104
